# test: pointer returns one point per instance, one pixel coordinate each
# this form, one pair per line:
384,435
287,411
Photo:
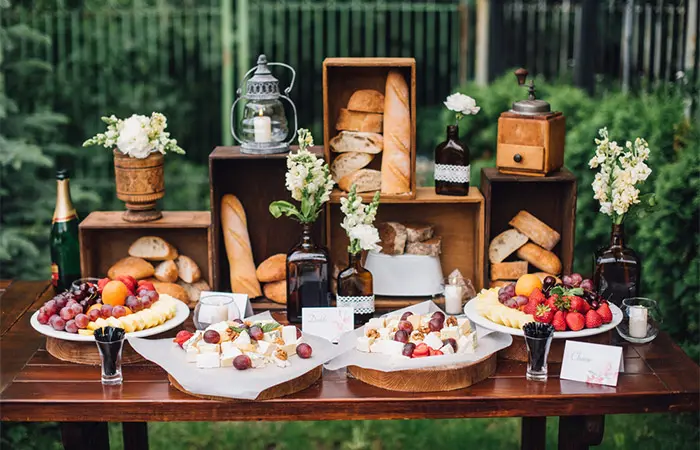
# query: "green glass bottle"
65,246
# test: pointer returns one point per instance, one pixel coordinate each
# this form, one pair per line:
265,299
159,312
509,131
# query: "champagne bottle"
65,247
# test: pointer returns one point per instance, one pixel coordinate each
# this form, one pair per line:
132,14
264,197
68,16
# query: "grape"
92,290
408,349
576,279
510,289
405,325
118,311
511,303
81,320
587,285
146,302
71,327
400,336
566,281
436,324
452,342
132,302
238,323
406,315
50,307
242,362
93,314
595,304
504,297
521,300
438,315
298,333
212,337
549,282
67,313
154,296
43,317
57,323
589,296
79,294
138,305
304,351
256,333
106,311
77,309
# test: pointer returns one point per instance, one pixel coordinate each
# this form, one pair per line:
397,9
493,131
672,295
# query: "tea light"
262,126
453,299
213,311
638,321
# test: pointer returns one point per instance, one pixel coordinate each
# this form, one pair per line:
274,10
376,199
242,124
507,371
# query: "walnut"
232,334
248,323
281,354
425,329
451,321
279,341
373,333
417,335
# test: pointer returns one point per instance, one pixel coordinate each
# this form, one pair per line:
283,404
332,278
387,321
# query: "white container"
405,275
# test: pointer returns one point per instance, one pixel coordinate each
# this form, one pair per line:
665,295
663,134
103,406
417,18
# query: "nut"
451,321
279,341
281,354
373,333
417,335
425,329
232,334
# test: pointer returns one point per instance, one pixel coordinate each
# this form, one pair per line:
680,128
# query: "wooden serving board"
86,352
518,351
432,379
288,387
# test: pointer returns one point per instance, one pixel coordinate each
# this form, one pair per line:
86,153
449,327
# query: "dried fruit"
373,333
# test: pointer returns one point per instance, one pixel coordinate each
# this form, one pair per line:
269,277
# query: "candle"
638,321
213,311
453,299
262,126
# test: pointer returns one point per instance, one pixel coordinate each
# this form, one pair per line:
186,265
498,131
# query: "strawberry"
605,313
559,321
576,303
101,284
129,282
537,296
586,307
544,314
593,319
421,349
182,337
575,321
435,352
530,308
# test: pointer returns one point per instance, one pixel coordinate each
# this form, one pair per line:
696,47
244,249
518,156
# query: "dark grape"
408,349
242,362
452,342
60,302
595,304
436,324
154,296
521,300
81,320
405,325
406,315
298,333
566,281
587,285
504,297
256,333
132,303
576,279
589,296
510,289
548,283
212,337
304,351
438,315
400,336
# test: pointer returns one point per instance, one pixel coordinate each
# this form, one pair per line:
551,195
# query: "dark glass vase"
618,269
452,165
307,276
356,290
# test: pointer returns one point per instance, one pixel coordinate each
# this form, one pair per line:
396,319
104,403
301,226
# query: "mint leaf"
270,327
575,291
238,330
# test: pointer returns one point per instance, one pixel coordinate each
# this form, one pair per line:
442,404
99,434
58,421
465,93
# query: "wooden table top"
34,386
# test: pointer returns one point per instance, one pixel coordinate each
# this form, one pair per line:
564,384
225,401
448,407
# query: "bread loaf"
367,100
152,248
431,247
498,283
505,244
276,291
418,232
392,238
508,270
540,258
173,290
396,160
347,163
356,141
234,226
273,268
535,229
166,271
366,180
187,269
194,290
136,267
359,121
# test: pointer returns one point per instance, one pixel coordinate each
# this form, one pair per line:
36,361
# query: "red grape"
138,305
587,285
304,351
50,307
93,314
212,337
510,289
118,311
242,362
57,323
67,313
436,324
71,301
405,325
132,302
576,279
511,303
438,315
43,317
406,315
408,349
146,302
400,336
452,342
256,333
106,311
71,326
81,320
298,333
567,281
77,309
154,296
504,297
521,300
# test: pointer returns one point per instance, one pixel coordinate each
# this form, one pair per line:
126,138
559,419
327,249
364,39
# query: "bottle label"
54,274
361,304
452,174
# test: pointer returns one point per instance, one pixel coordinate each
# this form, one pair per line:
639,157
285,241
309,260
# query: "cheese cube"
425,319
377,346
433,341
467,344
242,339
221,328
464,327
227,360
231,352
415,320
271,336
392,323
191,354
227,346
291,349
257,360
392,348
447,349
193,341
385,333
363,343
208,348
375,322
208,360
266,348
289,334
450,332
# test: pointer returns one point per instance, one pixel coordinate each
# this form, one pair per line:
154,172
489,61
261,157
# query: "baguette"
366,180
367,100
535,229
238,250
505,244
396,162
540,258
273,268
508,270
347,163
359,121
166,271
152,248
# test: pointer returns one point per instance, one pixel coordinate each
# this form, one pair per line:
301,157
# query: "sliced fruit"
86,332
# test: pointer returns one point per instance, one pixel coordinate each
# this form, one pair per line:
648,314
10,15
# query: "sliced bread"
366,180
347,163
431,247
508,270
505,244
357,141
166,271
187,269
153,248
194,290
392,238
538,231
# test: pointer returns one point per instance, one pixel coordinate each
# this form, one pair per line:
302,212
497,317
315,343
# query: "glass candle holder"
214,309
538,339
641,320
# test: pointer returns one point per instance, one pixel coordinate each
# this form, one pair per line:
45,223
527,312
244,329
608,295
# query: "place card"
591,363
240,300
328,323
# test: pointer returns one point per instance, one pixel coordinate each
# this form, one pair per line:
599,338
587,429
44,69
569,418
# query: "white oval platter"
183,312
474,316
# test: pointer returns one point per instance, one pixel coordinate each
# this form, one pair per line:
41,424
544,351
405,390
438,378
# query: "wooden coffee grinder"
530,136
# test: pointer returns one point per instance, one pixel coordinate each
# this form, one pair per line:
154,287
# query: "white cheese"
447,349
281,362
425,319
392,348
227,346
271,336
375,323
392,323
385,333
289,334
415,320
464,327
363,343
377,346
433,341
467,344
221,328
208,360
449,332
257,360
208,348
192,341
266,348
227,360
191,354
291,349
231,352
242,339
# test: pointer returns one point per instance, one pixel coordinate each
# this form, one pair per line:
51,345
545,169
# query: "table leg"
579,432
533,433
135,435
81,435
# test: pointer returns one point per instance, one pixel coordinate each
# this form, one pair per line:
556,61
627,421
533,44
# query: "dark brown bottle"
452,165
307,276
356,290
618,269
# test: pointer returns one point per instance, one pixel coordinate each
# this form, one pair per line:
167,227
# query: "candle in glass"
638,321
211,309
453,299
263,127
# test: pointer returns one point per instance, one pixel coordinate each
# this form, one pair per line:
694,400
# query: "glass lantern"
263,128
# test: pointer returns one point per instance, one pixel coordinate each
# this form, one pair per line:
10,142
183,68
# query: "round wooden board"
86,352
432,379
287,388
518,351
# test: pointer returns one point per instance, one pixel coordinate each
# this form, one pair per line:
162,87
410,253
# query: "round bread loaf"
273,268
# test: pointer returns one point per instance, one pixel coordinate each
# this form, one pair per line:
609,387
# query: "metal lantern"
263,128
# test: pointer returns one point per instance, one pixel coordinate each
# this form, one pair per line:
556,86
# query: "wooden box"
530,145
257,180
105,238
552,199
459,220
342,77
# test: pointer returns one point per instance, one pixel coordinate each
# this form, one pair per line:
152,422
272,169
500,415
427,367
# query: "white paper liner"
227,381
489,342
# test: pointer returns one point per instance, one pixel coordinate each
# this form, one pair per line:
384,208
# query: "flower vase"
356,290
452,165
307,276
617,269
140,183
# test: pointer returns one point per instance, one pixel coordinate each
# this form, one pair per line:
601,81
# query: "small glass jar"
641,319
214,309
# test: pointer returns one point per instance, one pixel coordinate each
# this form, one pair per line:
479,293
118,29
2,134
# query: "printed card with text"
591,363
328,323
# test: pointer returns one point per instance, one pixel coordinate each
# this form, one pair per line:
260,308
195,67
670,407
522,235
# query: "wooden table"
34,386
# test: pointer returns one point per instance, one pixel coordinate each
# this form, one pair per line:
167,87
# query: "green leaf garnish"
266,328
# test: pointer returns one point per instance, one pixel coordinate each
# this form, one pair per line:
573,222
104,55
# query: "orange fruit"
525,285
114,293
95,306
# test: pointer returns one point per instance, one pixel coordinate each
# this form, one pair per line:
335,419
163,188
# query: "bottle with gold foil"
65,246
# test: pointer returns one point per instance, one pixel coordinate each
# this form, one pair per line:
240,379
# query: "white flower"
133,137
366,235
462,104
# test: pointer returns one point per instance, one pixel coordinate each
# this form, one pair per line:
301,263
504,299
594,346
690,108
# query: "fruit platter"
571,305
75,314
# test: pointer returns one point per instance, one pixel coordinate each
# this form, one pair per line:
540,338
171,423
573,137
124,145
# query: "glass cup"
76,284
538,339
110,343
641,320
214,309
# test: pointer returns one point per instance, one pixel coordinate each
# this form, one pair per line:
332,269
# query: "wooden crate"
552,199
105,238
257,180
459,220
342,77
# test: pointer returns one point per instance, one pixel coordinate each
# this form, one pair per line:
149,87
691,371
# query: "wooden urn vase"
140,183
